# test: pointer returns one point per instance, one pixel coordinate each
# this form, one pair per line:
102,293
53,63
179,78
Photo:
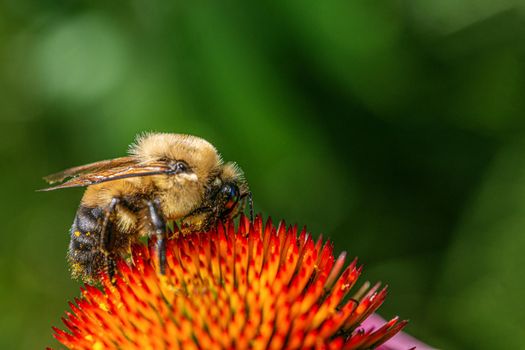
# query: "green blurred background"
394,128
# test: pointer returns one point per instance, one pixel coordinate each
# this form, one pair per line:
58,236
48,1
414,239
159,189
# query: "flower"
257,286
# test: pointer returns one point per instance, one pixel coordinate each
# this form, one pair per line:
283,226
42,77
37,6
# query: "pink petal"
401,341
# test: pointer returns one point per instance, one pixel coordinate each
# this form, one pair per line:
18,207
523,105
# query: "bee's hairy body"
199,190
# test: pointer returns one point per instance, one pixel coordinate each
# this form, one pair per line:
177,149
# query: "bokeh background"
395,128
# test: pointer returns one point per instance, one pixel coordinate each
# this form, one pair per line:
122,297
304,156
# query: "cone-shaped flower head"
255,287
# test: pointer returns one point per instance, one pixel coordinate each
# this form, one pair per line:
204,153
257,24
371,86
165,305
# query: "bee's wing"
89,168
91,174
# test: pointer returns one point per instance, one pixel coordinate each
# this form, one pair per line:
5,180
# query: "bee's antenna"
250,203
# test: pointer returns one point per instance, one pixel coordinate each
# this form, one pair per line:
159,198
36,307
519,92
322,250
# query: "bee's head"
227,190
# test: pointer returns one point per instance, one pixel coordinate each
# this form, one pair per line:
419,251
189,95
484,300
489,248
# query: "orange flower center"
253,287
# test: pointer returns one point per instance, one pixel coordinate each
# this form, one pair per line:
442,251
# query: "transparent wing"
89,168
104,171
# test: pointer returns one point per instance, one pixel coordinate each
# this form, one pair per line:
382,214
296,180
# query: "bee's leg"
106,237
198,211
159,225
191,222
247,197
250,204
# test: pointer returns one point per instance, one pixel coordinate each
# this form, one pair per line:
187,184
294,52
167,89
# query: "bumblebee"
166,177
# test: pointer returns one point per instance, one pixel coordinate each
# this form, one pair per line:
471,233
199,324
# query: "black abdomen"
85,256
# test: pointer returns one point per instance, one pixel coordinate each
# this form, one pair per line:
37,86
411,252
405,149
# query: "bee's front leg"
250,204
247,197
159,226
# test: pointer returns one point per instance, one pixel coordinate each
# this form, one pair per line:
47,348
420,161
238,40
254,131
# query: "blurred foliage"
395,128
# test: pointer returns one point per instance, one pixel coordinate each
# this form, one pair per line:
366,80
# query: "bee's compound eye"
230,194
228,191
